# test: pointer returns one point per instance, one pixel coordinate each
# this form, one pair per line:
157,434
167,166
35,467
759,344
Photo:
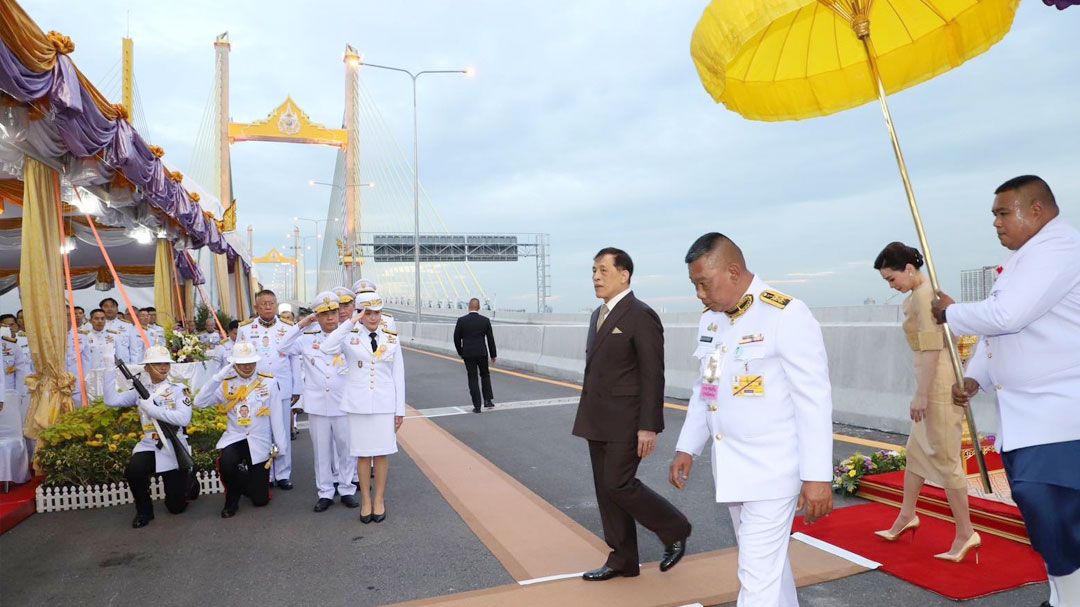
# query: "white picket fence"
59,499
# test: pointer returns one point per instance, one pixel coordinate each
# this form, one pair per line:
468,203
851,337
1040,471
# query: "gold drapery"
189,299
221,279
42,292
164,292
39,51
253,286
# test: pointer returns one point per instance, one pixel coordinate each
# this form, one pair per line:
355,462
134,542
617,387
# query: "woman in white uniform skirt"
374,398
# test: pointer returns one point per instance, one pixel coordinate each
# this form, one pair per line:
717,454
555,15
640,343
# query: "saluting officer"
256,428
266,332
374,396
169,403
324,385
764,402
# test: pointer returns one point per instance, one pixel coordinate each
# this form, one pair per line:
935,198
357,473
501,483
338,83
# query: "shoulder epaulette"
9,339
265,374
355,330
385,315
705,310
247,322
126,320
775,298
388,331
230,378
113,331
81,332
312,331
288,322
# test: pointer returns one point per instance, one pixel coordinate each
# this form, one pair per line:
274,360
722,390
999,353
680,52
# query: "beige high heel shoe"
972,543
912,526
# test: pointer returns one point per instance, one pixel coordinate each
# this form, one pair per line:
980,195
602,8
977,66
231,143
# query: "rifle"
183,459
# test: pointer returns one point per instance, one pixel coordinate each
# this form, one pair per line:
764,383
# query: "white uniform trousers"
763,529
330,443
282,467
1065,589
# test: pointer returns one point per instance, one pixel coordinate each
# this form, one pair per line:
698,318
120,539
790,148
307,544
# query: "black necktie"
374,341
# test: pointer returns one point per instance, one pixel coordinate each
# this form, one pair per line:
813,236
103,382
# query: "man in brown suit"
621,412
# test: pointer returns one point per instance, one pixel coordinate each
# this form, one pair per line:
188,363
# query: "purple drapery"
1061,4
86,133
188,269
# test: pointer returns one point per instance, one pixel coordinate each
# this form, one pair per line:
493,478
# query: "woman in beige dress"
933,448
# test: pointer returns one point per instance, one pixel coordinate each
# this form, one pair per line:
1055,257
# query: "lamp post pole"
416,169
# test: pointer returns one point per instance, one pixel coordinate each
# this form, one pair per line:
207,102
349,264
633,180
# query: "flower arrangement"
92,446
848,473
185,347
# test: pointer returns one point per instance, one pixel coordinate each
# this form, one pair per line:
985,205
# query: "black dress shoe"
323,504
673,553
489,404
476,409
350,501
294,434
228,512
606,573
141,520
285,485
193,491
1046,604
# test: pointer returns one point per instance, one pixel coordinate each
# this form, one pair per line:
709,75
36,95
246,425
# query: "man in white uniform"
266,332
101,347
324,385
764,402
1029,357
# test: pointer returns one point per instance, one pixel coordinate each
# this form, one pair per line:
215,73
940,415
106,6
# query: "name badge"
710,392
706,339
748,385
244,421
752,339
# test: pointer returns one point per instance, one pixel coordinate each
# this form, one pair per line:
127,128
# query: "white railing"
59,499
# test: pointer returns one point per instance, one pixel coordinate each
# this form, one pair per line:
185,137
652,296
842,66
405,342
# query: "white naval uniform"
169,402
100,347
211,339
260,423
155,333
375,385
768,439
286,371
127,349
324,386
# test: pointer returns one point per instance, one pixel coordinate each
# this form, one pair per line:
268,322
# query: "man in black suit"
475,342
621,412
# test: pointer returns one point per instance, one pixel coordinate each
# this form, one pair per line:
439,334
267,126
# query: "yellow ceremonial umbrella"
796,59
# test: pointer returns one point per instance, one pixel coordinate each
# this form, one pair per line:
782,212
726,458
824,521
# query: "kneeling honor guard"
255,430
163,416
763,402
325,377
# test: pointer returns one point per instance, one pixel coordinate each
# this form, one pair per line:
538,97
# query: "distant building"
975,284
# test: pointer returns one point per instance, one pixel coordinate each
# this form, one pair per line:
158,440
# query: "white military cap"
369,301
344,295
325,301
156,354
284,308
243,352
364,286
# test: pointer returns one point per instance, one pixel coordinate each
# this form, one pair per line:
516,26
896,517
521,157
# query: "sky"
587,121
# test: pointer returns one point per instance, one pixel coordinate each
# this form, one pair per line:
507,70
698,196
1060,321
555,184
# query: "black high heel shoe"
366,518
378,518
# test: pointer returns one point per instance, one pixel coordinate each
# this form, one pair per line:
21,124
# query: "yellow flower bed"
92,446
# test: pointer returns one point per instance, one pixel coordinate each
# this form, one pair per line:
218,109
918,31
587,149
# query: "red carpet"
18,504
1003,564
987,516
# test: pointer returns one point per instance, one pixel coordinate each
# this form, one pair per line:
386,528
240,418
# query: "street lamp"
316,222
469,73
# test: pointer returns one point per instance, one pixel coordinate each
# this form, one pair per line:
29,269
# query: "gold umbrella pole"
861,24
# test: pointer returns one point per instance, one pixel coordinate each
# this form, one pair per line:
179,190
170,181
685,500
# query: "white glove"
222,373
